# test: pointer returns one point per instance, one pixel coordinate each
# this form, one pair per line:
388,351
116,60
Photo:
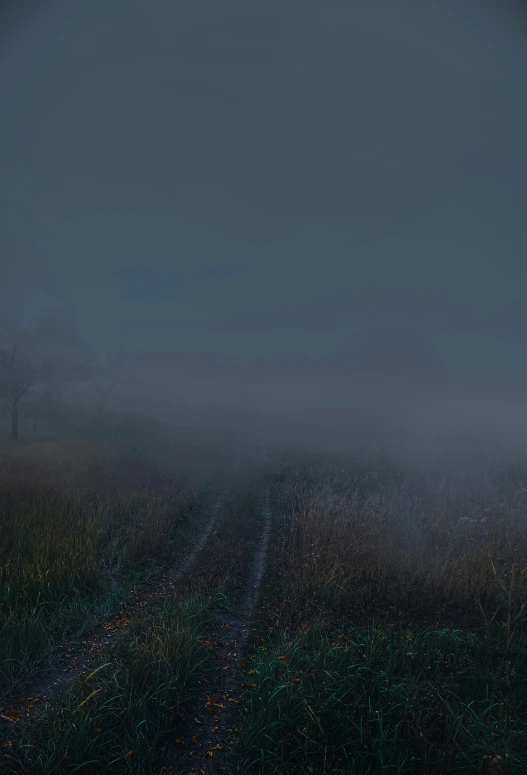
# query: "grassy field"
391,634
87,544
79,526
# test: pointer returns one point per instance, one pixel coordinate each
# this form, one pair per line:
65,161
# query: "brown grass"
403,548
78,522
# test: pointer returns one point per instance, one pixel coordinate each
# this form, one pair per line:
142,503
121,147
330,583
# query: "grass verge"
393,634
359,700
120,716
71,547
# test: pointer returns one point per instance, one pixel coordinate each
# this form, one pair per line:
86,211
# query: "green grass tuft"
119,717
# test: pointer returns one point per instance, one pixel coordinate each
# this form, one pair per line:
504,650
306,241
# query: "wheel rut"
71,659
209,734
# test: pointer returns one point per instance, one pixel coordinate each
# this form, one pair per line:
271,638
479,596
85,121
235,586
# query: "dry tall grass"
392,542
75,519
396,614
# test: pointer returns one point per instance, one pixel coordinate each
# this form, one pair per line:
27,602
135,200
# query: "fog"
303,215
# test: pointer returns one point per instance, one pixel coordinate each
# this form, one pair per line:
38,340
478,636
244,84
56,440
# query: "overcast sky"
273,192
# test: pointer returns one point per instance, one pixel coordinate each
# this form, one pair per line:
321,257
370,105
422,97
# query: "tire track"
69,660
209,736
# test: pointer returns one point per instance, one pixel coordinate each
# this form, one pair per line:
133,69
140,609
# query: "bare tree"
35,363
46,404
102,395
19,376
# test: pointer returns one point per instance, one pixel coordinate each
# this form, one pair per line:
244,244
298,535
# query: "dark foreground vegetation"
396,630
391,634
80,524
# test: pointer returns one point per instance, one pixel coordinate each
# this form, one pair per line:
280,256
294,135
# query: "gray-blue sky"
269,191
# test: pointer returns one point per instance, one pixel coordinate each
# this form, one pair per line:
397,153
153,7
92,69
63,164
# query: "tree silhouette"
18,377
34,363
